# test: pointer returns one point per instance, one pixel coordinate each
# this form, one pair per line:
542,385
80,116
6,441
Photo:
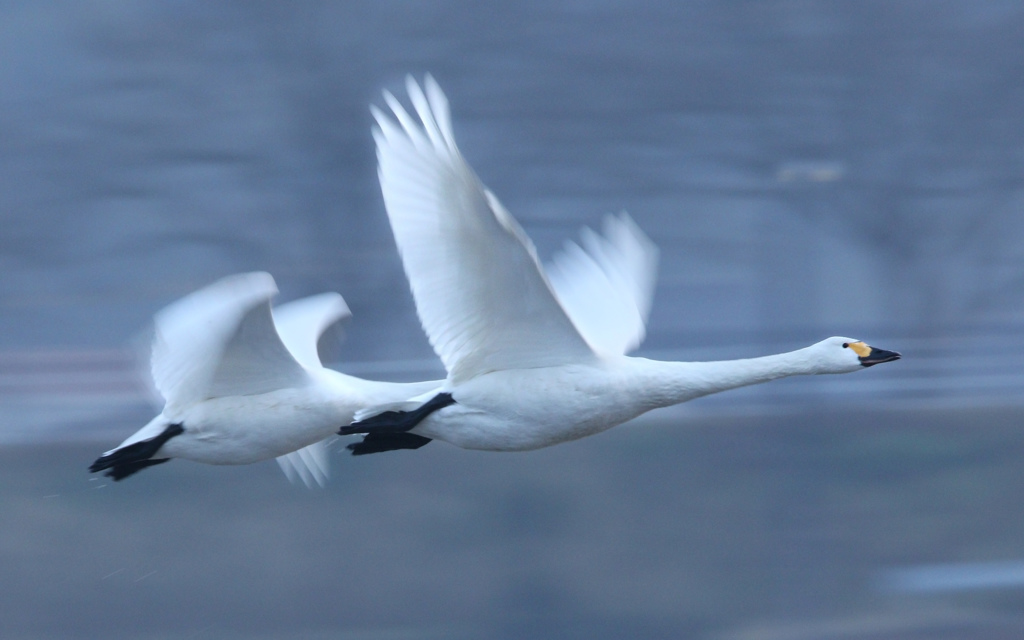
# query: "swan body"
530,365
524,409
242,429
243,383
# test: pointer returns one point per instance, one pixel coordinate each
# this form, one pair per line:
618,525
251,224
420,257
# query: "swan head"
842,355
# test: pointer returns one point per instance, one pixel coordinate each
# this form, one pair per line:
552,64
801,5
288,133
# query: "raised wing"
221,341
481,295
606,284
300,324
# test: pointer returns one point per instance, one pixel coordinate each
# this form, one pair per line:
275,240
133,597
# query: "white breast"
245,429
523,409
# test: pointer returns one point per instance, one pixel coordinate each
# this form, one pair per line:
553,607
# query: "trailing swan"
522,373
242,383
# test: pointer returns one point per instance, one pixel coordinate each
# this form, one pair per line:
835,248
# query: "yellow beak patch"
860,349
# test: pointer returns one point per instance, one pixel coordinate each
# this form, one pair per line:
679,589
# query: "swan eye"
846,345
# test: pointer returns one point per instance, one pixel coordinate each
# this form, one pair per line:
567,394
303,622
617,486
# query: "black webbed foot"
135,457
128,468
380,442
395,422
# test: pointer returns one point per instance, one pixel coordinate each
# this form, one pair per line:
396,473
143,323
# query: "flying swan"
527,368
244,383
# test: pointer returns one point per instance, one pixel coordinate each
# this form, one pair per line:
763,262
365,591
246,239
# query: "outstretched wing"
221,341
481,295
300,324
606,284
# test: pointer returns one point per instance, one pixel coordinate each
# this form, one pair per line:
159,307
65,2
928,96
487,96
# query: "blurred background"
807,168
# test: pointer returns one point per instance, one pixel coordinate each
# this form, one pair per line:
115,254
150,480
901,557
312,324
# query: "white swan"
242,383
522,374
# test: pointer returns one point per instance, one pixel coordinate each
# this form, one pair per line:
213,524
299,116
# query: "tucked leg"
398,421
380,442
135,457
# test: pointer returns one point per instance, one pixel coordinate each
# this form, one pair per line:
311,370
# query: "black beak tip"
878,356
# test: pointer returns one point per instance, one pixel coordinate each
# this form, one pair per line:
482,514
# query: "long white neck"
668,383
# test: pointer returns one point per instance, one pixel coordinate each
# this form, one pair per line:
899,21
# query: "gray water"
807,169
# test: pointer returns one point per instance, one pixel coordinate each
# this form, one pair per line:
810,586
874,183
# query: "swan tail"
129,459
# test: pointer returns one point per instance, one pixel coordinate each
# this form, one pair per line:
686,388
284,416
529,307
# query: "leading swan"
522,373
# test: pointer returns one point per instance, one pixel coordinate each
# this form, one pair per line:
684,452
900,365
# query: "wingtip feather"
440,108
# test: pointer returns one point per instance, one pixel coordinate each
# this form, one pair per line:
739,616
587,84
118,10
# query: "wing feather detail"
480,291
606,284
220,341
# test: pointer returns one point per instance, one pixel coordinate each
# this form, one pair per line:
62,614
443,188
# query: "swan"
522,373
243,383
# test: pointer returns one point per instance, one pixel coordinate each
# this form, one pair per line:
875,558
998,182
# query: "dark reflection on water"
714,529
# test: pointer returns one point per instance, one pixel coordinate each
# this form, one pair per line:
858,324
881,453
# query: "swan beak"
878,356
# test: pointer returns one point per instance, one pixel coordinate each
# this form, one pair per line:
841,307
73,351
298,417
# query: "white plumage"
245,384
533,359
